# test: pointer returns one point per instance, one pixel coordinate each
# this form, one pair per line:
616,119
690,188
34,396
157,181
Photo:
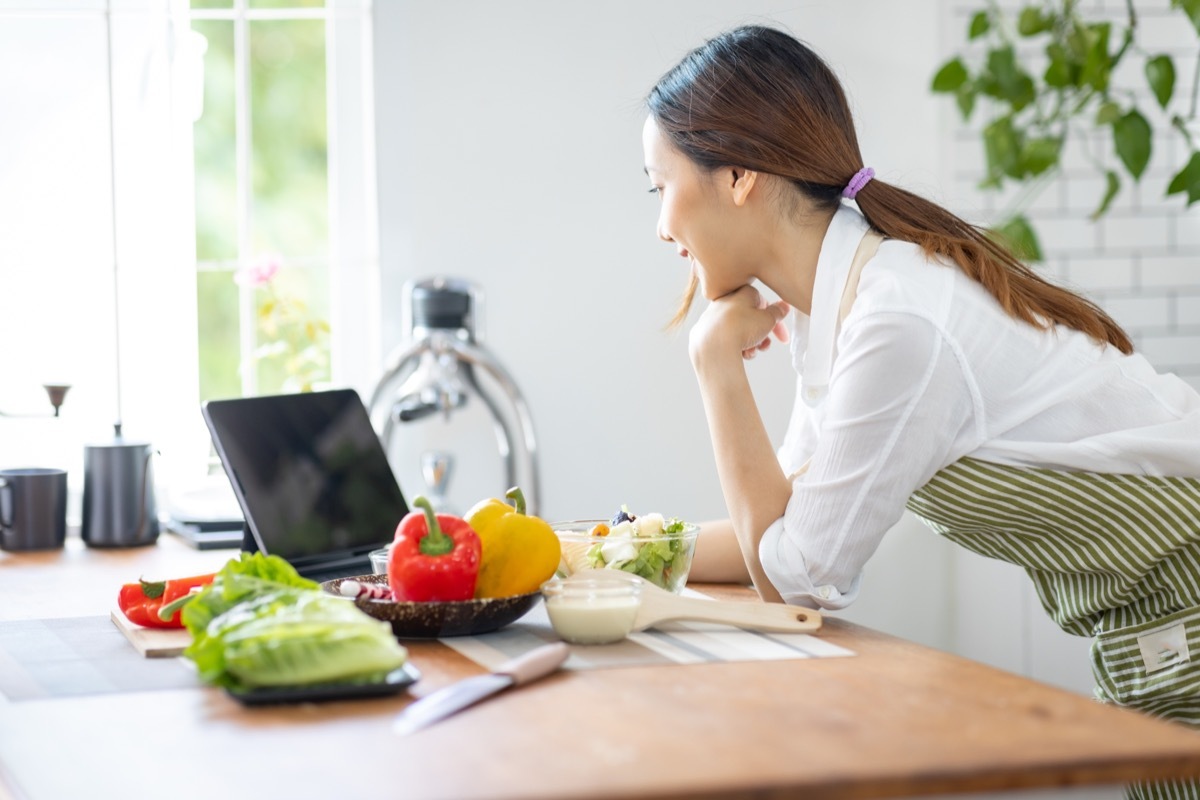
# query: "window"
151,149
262,197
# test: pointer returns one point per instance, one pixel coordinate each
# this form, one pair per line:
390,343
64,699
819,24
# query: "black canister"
119,508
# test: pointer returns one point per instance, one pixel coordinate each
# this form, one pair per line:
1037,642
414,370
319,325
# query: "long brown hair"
757,98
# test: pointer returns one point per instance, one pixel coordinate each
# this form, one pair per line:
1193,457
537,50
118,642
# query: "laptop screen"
309,472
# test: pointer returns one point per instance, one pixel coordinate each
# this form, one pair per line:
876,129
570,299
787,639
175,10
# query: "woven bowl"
439,619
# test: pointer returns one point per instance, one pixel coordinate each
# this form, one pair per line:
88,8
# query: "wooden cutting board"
152,642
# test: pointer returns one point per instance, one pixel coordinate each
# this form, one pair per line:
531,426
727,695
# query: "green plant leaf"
1160,72
1032,21
1080,39
1040,154
1191,8
1113,186
965,97
1060,72
1004,79
1097,63
1002,147
980,24
1017,235
950,77
1131,135
1187,180
1108,113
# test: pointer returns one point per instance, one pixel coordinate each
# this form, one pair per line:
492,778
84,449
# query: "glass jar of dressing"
596,609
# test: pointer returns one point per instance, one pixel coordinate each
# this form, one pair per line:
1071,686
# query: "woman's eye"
653,190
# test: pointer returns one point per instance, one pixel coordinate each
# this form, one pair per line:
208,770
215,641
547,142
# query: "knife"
519,671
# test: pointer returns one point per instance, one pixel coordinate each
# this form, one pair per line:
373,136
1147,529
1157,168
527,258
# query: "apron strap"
867,249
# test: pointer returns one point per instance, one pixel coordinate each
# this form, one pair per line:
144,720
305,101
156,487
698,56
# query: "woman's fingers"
743,319
778,311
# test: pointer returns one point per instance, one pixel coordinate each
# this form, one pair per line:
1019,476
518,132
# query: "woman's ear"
741,183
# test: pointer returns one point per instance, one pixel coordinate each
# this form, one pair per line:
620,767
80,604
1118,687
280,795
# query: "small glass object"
595,609
379,560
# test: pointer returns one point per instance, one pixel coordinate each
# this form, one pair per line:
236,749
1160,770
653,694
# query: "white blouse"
925,369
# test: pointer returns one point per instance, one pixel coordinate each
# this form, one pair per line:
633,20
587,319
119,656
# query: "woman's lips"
683,253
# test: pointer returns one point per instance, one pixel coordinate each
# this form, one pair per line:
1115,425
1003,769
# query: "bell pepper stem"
435,542
166,612
152,589
518,497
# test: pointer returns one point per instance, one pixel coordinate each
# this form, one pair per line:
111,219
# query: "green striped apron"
1116,557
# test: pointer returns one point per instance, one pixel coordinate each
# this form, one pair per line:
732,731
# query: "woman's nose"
662,233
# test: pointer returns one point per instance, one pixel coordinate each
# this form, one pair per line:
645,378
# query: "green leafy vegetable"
261,624
636,546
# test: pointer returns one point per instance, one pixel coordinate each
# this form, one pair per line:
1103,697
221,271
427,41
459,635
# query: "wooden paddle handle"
772,617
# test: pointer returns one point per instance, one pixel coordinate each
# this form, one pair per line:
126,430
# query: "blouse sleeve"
898,400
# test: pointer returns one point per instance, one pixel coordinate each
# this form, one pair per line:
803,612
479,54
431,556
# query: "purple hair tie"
856,184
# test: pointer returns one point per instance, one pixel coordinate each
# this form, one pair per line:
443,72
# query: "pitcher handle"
6,488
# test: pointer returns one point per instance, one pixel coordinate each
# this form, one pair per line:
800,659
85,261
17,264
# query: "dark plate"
435,620
395,681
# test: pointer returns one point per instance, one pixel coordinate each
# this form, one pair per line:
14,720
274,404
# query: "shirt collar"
816,333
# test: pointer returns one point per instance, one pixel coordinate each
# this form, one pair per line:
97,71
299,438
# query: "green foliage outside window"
1039,102
287,212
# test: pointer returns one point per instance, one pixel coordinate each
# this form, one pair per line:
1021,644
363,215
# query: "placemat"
671,643
75,656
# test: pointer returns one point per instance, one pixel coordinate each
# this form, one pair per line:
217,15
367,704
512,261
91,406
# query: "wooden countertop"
895,720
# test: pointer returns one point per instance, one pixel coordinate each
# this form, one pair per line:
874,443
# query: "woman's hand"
739,322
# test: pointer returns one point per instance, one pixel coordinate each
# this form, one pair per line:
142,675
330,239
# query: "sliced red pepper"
434,556
141,602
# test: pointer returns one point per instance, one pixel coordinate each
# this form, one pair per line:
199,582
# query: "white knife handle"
535,664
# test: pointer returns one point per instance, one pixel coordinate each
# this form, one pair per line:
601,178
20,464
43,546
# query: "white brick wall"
1141,262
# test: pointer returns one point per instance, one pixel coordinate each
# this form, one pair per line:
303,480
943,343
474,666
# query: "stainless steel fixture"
440,370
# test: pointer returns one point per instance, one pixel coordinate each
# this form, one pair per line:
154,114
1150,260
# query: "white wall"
509,153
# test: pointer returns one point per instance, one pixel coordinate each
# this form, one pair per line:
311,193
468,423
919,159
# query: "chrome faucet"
434,371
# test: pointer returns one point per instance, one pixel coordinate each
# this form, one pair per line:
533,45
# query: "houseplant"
1044,75
289,335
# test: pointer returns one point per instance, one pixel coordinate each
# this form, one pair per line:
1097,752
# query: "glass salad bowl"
657,550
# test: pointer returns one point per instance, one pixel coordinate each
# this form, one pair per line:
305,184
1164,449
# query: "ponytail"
1020,291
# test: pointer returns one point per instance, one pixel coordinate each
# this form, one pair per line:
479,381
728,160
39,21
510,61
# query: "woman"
935,371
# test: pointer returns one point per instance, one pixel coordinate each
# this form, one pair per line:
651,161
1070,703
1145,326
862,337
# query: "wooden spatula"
659,605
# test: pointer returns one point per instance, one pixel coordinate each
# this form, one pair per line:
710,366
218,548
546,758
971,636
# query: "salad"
649,546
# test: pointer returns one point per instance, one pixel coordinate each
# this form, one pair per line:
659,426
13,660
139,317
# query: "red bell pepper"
434,556
140,602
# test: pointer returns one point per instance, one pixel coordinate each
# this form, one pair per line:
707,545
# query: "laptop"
311,477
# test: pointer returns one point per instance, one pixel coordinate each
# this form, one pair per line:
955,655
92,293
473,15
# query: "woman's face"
695,214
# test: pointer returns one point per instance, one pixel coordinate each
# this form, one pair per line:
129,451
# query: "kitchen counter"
896,719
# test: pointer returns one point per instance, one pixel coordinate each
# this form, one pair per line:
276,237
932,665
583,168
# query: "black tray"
395,682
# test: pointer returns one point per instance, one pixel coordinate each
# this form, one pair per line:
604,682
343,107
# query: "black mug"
33,509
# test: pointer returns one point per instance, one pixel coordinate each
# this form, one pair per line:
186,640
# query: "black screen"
309,472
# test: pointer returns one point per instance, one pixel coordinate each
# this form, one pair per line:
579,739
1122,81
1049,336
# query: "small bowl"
598,609
379,560
581,549
440,619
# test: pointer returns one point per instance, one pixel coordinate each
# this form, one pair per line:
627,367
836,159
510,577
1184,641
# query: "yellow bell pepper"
518,551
